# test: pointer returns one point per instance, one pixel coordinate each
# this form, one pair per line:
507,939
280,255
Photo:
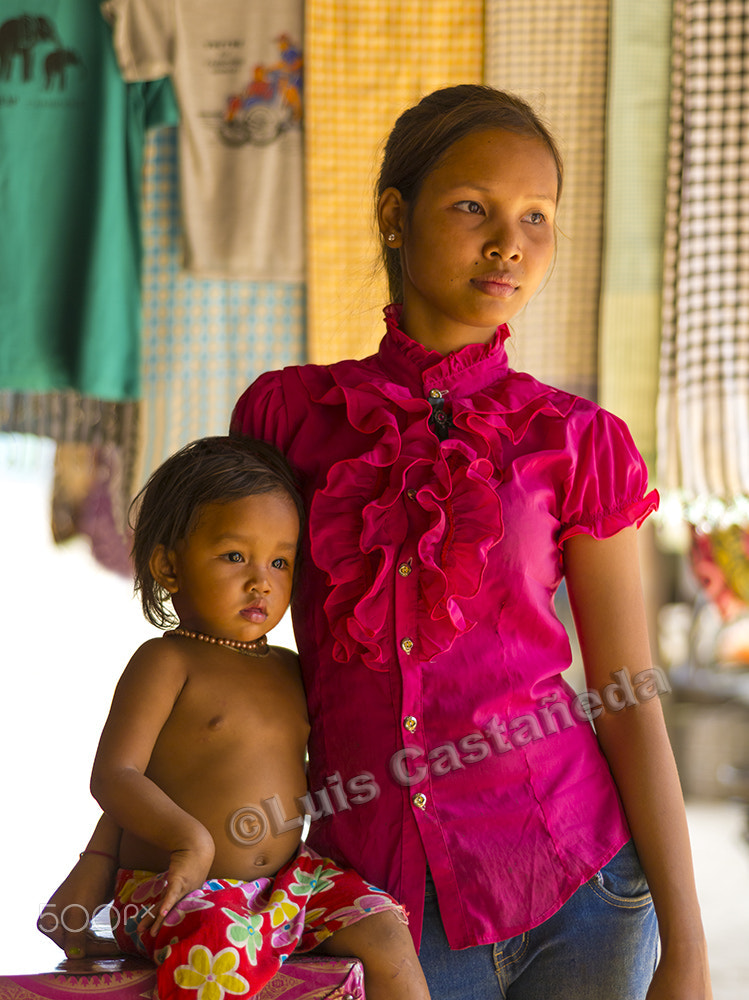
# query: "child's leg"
383,944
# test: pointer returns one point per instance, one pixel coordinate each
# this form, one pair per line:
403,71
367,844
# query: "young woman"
448,496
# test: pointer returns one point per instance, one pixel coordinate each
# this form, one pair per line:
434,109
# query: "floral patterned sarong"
230,937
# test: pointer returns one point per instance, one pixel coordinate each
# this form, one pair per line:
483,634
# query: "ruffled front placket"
359,521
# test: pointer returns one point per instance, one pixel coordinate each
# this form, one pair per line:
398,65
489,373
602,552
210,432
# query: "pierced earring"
391,237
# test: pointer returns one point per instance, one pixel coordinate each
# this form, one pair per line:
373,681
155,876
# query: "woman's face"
478,239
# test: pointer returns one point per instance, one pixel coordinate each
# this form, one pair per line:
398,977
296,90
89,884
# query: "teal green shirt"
71,152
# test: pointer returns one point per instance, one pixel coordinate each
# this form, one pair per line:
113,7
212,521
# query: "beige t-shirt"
236,67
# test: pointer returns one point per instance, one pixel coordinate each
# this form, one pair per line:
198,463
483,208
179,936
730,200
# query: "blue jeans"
601,945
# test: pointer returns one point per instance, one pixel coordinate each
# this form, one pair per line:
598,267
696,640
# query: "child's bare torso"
232,754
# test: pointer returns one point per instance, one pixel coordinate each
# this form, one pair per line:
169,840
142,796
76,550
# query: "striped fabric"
556,56
68,417
365,62
703,408
94,463
204,341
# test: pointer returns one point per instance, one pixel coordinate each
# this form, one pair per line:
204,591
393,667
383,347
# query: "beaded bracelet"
102,853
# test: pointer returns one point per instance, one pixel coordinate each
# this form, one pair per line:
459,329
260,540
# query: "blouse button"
435,394
410,723
411,494
420,800
404,569
407,645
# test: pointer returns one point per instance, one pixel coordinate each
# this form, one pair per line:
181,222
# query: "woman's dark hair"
424,133
167,509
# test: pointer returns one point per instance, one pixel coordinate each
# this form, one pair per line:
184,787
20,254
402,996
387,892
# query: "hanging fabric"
72,135
637,126
703,405
95,465
556,57
237,72
204,341
367,61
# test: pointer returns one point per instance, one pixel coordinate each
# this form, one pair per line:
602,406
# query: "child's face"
479,238
233,573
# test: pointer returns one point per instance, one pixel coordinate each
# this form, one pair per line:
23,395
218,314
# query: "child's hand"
67,916
188,870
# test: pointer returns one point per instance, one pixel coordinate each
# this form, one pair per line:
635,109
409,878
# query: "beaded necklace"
257,647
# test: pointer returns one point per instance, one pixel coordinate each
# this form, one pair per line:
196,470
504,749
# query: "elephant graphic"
56,63
18,36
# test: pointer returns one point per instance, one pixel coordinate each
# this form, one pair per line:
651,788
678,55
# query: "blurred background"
164,243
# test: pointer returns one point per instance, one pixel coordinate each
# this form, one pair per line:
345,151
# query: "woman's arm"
142,703
603,579
67,916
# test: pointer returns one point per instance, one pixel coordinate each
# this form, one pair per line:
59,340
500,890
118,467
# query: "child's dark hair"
167,509
424,133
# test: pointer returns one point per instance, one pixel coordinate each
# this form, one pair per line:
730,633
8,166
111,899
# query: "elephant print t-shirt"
72,135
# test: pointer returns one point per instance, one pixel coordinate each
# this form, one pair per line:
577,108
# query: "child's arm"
142,703
603,579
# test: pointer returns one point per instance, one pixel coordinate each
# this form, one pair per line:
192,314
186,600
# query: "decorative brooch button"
405,569
411,494
407,645
410,723
435,394
420,800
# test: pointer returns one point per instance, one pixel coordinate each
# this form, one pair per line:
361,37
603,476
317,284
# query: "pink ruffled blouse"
440,492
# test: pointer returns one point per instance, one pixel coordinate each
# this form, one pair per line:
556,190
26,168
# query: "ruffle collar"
406,483
471,368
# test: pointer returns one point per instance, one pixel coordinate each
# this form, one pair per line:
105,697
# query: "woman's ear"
163,569
391,216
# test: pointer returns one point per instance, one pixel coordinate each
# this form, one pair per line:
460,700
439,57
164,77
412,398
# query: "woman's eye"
536,218
472,207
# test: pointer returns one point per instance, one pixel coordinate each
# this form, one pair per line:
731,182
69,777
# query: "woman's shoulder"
292,377
278,402
580,410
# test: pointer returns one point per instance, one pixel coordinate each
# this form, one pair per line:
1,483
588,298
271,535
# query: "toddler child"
207,722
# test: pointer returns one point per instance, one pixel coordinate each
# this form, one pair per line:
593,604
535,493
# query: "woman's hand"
66,918
682,977
188,870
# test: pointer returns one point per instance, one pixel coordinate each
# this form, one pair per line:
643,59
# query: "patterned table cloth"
303,978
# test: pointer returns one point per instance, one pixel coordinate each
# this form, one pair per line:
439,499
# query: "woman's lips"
499,286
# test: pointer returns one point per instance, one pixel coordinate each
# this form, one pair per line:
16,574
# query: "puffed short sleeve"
261,411
607,489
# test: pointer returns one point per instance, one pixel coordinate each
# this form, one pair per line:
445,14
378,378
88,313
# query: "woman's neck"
443,337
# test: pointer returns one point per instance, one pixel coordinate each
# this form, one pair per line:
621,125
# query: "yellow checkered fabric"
366,61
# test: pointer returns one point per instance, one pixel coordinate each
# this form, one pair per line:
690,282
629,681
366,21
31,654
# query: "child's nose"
258,580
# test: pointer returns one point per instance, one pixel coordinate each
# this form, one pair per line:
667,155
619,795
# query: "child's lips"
256,613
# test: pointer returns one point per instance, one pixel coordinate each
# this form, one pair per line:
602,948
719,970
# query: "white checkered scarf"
703,406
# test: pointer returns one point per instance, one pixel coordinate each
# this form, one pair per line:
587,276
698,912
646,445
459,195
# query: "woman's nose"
503,244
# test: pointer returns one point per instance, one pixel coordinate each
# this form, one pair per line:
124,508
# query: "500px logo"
75,918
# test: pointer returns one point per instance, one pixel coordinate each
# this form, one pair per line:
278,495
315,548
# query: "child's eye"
279,564
234,557
472,207
536,218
